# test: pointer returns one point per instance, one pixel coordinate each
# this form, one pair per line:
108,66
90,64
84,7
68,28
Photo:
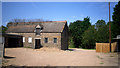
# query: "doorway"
37,43
13,42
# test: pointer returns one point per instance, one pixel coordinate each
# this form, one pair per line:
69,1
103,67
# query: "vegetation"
99,57
71,43
115,25
101,63
102,32
85,35
3,29
88,49
27,47
76,30
88,38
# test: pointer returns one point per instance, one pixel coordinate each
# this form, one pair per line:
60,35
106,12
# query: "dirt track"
54,57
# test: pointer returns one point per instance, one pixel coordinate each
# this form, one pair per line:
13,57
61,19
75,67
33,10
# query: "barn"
51,34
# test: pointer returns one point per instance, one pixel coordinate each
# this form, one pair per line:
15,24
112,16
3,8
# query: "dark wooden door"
37,43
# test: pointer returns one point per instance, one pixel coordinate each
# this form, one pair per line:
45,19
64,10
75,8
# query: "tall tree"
77,28
102,34
75,32
88,38
115,26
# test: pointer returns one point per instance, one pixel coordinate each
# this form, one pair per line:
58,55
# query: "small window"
37,31
55,40
46,40
23,39
30,39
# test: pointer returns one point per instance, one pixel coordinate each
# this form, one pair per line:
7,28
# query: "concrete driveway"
54,57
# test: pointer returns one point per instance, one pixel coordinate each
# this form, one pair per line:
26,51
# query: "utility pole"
109,28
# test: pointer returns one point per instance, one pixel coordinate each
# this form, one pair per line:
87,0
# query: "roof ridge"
36,22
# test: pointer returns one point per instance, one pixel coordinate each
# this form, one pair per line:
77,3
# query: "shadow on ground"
70,50
8,57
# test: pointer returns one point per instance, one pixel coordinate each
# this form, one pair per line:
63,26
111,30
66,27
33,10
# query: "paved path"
54,57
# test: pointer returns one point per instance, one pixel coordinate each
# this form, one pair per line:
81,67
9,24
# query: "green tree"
3,29
102,31
115,25
76,30
88,38
71,43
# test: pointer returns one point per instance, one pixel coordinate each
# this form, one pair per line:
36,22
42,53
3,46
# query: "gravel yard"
54,57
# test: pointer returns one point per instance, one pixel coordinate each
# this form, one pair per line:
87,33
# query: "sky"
56,11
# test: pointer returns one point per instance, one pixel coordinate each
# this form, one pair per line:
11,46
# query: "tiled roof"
52,26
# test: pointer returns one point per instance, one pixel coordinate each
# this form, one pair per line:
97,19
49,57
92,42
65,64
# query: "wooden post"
109,28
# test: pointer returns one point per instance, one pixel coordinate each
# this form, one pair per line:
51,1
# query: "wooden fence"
105,47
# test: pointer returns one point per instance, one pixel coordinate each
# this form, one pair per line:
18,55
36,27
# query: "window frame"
45,40
23,39
54,40
29,39
38,29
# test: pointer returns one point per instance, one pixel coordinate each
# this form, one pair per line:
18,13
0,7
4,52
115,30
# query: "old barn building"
52,34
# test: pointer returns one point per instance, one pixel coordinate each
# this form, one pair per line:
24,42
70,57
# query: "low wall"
105,47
